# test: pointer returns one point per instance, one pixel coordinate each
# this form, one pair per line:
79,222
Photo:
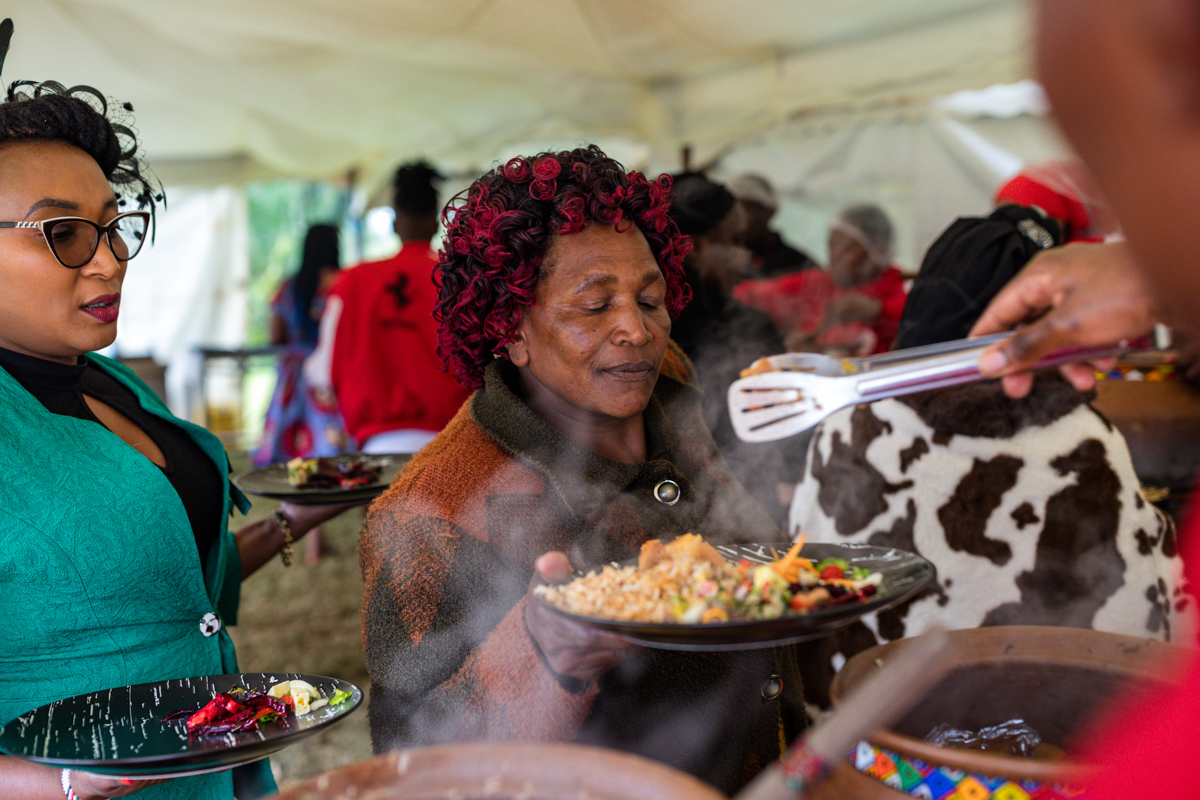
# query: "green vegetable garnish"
833,562
339,697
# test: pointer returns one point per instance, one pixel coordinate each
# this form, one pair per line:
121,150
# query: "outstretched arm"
260,541
24,780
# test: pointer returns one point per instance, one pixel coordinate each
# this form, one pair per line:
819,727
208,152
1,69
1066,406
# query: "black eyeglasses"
74,240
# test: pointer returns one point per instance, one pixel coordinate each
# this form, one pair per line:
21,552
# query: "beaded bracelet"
66,785
803,767
286,552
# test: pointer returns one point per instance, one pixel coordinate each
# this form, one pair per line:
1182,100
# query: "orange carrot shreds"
795,551
790,565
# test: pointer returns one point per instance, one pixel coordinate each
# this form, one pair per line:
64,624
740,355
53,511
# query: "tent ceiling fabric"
314,88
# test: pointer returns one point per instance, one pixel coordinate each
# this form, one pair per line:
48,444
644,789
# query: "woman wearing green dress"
117,565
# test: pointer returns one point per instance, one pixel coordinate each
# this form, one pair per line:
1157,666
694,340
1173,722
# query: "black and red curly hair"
497,235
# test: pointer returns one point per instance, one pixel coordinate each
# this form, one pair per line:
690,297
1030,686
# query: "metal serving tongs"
817,364
803,389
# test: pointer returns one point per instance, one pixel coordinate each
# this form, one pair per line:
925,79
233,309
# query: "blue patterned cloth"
299,423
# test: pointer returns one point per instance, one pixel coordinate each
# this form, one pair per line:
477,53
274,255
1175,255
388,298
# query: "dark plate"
119,731
904,574
272,481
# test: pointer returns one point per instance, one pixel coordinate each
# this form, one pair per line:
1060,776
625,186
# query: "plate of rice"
691,595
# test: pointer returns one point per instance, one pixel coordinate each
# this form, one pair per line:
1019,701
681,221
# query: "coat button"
210,623
772,688
667,492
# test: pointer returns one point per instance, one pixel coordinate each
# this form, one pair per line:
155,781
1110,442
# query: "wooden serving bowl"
504,771
1056,679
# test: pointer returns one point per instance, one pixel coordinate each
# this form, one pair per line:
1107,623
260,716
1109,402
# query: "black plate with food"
347,478
122,732
900,575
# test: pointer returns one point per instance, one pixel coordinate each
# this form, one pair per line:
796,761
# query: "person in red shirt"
377,348
854,307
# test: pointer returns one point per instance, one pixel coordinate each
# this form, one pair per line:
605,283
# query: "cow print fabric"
1029,509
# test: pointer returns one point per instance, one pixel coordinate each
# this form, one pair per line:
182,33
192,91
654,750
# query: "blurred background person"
377,349
723,336
851,309
301,422
771,255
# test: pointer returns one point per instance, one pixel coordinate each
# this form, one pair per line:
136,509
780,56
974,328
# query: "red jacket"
385,371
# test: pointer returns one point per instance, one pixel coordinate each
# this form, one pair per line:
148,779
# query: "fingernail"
993,363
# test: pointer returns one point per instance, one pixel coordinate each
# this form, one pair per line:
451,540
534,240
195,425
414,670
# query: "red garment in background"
1147,749
385,371
796,302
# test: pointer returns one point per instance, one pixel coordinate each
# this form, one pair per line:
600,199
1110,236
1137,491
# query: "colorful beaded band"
802,767
919,779
65,779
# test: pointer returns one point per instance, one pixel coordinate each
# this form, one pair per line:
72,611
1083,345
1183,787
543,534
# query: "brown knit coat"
448,552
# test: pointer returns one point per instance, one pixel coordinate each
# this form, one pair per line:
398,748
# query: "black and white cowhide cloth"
1029,509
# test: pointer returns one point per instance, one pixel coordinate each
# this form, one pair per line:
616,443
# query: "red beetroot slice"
215,709
229,724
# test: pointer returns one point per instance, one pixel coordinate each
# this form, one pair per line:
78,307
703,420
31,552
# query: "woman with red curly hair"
559,277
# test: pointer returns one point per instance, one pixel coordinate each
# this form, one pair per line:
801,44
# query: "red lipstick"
104,308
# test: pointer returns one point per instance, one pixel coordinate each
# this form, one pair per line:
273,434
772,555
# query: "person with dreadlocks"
560,276
377,347
117,565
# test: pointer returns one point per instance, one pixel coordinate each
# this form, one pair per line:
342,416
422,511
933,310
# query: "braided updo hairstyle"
81,117
498,234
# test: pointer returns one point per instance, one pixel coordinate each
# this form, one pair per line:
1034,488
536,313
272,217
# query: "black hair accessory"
6,29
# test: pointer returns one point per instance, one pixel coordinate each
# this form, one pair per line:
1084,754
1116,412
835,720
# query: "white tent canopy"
315,88
835,101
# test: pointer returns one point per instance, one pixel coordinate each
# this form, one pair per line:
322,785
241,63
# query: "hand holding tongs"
806,388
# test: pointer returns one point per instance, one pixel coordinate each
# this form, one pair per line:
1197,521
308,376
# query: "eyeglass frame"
108,229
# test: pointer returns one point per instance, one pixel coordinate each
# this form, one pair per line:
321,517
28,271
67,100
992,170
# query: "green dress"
100,580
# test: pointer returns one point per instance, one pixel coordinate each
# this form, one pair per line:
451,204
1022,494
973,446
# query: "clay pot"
1056,679
504,771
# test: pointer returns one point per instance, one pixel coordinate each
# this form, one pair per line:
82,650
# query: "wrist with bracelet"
66,785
